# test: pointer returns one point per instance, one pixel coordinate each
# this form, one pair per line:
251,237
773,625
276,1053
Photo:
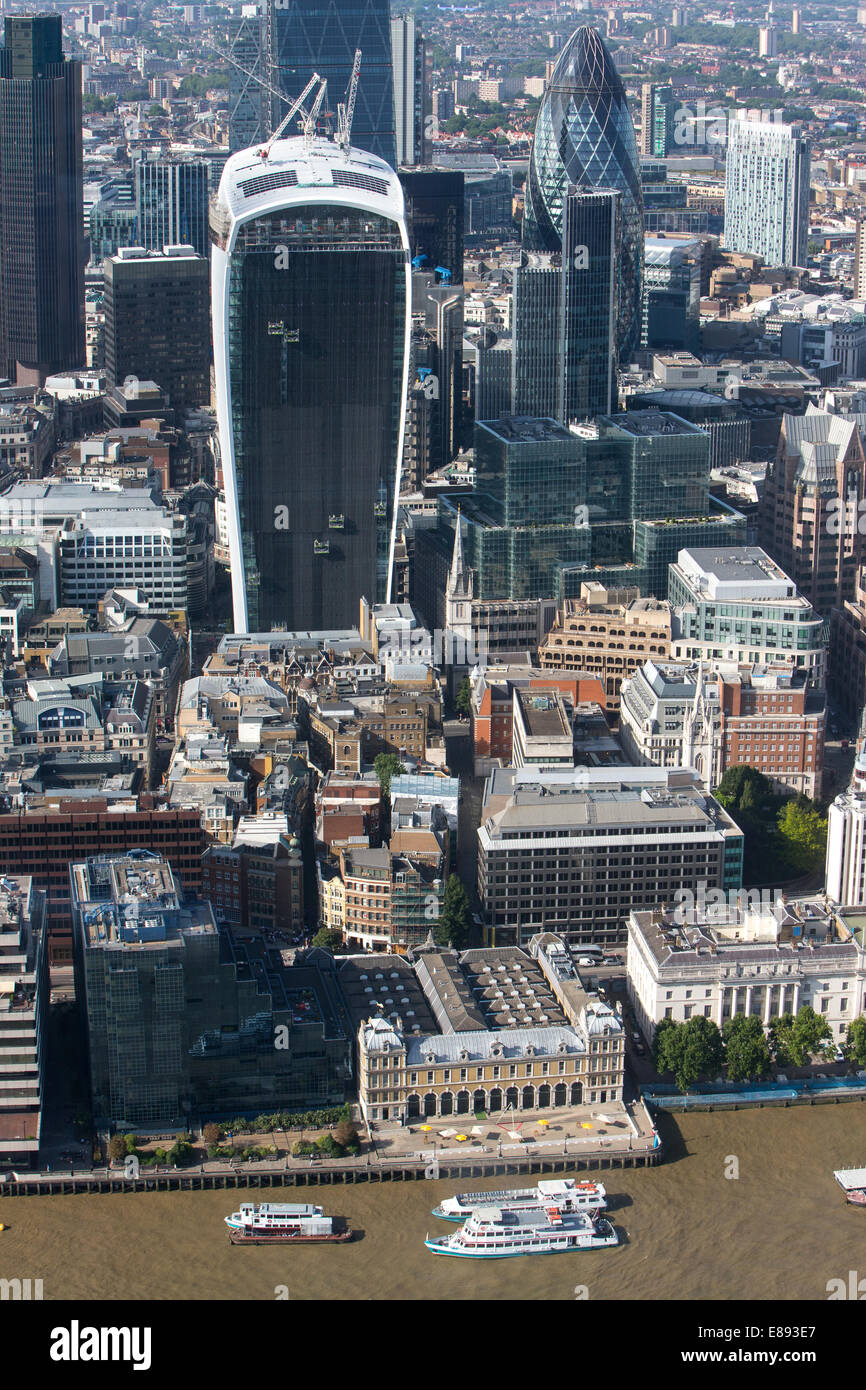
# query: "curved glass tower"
584,138
311,320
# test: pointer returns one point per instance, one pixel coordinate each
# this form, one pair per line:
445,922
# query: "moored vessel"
280,1223
853,1183
493,1234
566,1193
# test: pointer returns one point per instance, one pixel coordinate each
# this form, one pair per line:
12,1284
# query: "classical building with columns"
764,958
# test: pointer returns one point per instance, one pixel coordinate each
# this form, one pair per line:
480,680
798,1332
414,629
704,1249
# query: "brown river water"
780,1230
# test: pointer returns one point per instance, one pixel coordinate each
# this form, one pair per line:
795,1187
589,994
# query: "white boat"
493,1234
566,1193
853,1184
273,1223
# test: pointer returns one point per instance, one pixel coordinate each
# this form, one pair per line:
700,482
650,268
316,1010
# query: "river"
780,1230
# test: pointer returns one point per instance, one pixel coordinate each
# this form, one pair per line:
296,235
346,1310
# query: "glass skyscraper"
42,251
310,280
307,36
584,137
171,203
767,191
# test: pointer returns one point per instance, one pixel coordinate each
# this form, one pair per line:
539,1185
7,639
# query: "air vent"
264,183
345,178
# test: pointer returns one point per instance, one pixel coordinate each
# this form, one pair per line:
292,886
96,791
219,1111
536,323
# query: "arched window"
576,1092
528,1097
544,1097
462,1102
496,1099
413,1107
511,1098
446,1103
560,1094
429,1104
479,1100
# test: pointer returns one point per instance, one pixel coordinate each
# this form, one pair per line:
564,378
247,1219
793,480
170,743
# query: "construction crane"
346,110
296,106
311,120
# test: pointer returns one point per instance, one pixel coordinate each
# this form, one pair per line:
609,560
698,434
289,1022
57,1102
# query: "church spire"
458,563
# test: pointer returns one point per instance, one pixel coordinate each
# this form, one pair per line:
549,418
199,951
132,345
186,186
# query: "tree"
855,1046
747,1052
794,1039
804,834
211,1134
117,1148
455,920
463,703
329,939
811,1033
346,1135
690,1050
733,788
387,765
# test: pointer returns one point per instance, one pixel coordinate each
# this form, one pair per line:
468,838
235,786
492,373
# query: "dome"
584,137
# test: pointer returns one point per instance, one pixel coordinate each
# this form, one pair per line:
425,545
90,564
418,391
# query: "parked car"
839,1055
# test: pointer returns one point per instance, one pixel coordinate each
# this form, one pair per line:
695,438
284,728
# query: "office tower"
679,16
584,137
535,309
157,322
767,191
443,104
809,508
113,222
564,315
657,120
434,217
410,58
24,1004
795,20
307,36
442,333
42,251
494,365
249,110
671,294
665,205
311,344
860,260
171,202
591,250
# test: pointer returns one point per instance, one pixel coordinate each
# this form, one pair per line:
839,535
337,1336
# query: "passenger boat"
566,1193
276,1223
493,1234
853,1184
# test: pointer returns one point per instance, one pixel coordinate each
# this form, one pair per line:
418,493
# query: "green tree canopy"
794,1039
747,1051
691,1050
455,920
463,703
329,939
742,781
387,765
804,833
855,1045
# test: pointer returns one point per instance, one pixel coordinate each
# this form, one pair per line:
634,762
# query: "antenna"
346,110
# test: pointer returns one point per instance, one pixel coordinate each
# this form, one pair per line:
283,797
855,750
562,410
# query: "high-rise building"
249,109
767,191
768,41
410,57
565,312
24,1005
795,20
860,260
584,138
307,36
42,251
311,287
591,251
657,120
157,322
671,294
434,217
171,203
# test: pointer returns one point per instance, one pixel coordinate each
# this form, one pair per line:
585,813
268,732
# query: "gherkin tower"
584,137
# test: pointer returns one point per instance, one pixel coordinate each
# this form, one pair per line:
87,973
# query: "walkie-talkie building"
584,137
311,317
